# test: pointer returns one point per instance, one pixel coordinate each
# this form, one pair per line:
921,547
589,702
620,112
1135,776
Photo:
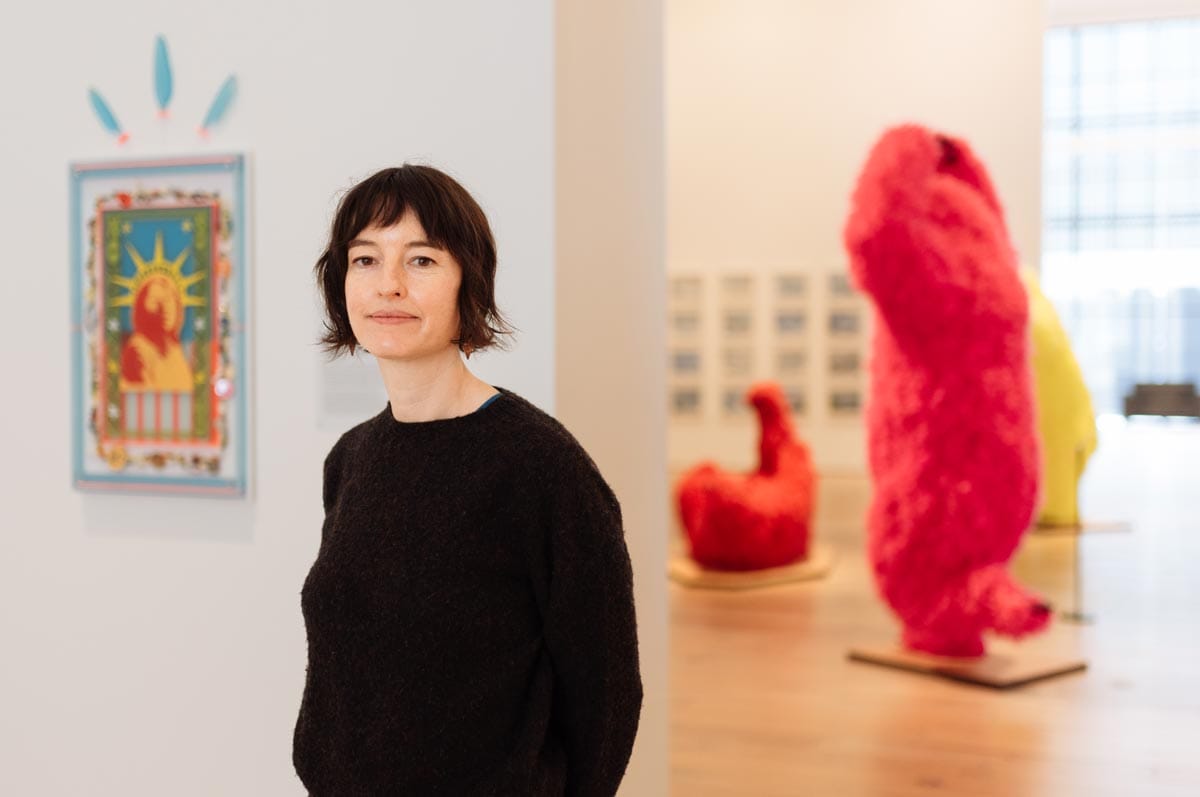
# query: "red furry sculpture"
953,446
757,520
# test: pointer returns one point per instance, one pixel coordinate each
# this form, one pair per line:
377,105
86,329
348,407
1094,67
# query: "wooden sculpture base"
684,570
1007,666
1083,527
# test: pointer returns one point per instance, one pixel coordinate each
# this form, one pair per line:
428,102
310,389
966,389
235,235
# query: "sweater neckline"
386,419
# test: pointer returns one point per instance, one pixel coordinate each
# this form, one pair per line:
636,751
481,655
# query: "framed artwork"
158,320
739,361
685,350
685,402
733,401
737,306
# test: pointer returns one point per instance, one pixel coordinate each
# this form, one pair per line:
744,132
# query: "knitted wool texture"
470,614
952,444
757,520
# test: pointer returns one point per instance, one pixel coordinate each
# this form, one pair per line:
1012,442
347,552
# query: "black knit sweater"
470,614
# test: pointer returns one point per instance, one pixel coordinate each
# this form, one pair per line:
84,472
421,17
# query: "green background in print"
158,267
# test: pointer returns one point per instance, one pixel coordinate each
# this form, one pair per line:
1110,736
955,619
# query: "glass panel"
1121,201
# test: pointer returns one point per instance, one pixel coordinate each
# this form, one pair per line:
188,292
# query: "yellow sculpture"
1066,422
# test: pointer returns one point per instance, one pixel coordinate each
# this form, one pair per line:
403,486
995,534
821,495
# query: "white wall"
155,646
610,299
772,106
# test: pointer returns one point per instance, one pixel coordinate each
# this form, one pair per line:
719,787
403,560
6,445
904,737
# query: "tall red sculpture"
952,441
760,519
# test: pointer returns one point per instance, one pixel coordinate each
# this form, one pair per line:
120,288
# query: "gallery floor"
764,702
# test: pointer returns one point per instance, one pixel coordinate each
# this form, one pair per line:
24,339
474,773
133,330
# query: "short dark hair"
452,220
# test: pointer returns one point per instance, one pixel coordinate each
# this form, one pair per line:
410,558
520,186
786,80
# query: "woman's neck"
433,388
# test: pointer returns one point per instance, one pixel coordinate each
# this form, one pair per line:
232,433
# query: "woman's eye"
364,260
422,261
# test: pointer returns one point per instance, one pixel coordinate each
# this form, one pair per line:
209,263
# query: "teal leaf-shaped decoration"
164,83
106,116
220,104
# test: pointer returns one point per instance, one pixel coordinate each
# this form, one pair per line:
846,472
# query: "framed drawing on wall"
158,325
686,363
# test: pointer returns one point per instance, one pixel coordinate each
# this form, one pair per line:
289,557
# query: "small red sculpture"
757,520
953,446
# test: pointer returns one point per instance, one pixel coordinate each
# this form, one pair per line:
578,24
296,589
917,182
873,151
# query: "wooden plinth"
684,570
1000,669
1083,527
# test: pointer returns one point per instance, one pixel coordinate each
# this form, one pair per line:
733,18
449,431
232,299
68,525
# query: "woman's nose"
392,281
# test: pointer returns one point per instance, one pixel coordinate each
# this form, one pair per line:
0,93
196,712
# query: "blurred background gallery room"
1084,116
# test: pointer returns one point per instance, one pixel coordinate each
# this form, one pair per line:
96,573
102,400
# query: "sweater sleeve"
331,477
590,627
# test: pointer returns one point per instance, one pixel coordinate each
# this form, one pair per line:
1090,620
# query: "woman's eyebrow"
409,245
426,244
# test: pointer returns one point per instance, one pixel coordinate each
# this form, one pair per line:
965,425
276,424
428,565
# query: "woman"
470,611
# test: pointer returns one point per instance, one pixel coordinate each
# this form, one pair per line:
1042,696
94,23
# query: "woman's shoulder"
536,429
351,439
555,456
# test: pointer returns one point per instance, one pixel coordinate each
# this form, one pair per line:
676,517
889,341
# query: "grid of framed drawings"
685,341
737,312
846,347
791,313
727,330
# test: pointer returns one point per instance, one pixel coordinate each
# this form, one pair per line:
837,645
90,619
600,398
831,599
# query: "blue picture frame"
159,325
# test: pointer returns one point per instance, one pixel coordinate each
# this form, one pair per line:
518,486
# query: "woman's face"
402,292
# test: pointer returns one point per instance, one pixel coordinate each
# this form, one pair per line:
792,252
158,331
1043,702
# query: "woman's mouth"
391,318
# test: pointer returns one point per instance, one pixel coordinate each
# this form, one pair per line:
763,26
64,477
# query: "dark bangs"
382,200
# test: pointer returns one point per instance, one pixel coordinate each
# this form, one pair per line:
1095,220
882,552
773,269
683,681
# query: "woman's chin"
408,354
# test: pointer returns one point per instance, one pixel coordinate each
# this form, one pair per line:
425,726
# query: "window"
1121,200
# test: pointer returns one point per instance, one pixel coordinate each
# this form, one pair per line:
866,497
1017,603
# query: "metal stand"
1076,614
